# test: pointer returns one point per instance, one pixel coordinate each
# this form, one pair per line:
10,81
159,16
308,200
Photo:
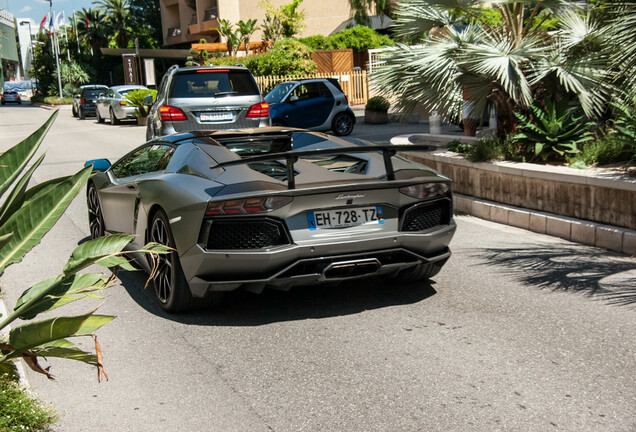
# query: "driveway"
519,331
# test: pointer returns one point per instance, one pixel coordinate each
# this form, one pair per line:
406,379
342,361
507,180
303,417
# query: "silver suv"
207,98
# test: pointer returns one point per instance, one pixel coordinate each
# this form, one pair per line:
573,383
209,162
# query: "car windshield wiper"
228,93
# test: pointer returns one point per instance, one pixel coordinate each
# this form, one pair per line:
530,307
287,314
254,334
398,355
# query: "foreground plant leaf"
35,219
32,335
13,161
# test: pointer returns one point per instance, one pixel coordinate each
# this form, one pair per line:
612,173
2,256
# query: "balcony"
209,24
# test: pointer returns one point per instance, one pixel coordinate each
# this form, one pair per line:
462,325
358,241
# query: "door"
308,105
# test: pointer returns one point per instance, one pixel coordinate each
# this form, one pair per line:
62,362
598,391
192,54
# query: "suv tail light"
169,113
82,100
122,103
258,110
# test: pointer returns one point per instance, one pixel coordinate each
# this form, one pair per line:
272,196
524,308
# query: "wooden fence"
354,84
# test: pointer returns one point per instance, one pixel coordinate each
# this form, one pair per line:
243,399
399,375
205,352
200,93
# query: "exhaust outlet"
347,269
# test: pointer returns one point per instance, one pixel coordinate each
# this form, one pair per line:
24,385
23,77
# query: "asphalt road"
519,332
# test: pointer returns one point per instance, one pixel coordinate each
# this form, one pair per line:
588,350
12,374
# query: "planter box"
602,197
376,117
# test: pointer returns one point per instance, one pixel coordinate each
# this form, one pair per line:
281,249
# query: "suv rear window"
213,83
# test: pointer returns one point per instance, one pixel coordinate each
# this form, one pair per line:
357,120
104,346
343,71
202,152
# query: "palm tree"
620,29
246,29
117,15
92,25
504,57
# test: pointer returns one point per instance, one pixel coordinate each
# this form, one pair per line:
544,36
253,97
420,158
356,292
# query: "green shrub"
286,57
358,38
135,98
21,411
378,104
490,148
54,100
458,147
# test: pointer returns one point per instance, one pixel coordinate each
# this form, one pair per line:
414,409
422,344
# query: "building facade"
8,47
192,20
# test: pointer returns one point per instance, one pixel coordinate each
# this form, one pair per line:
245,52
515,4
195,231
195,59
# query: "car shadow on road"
241,308
597,273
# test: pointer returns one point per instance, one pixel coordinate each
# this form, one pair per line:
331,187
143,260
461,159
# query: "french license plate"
216,116
342,218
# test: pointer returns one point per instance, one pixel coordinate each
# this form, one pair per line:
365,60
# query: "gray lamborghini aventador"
272,207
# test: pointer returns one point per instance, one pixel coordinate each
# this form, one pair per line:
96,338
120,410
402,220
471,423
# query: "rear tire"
74,111
342,124
82,114
113,118
171,288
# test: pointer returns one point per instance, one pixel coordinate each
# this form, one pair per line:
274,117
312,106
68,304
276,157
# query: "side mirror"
100,165
147,100
293,98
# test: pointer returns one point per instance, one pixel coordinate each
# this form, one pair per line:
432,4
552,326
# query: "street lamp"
57,60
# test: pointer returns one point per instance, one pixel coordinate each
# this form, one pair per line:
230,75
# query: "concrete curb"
616,239
5,334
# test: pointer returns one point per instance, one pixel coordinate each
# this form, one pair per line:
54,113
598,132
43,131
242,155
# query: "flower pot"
142,121
376,117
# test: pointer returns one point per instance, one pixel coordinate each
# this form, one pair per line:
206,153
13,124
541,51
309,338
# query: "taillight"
123,103
82,100
258,110
246,206
425,190
169,113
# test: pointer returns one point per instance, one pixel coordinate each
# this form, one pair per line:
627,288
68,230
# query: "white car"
112,104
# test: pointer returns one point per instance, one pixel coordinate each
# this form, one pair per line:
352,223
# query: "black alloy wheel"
95,218
342,124
171,287
82,114
113,118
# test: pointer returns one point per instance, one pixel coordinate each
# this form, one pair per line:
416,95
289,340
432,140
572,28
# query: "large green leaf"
13,161
55,292
33,335
94,250
17,196
36,218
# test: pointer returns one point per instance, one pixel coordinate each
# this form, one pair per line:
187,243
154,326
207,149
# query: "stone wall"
606,198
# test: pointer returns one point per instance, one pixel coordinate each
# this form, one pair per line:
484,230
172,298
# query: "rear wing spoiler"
291,157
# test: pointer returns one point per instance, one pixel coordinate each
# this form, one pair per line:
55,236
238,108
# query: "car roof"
127,87
93,86
237,67
333,81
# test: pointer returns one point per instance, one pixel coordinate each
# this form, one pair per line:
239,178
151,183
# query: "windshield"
95,92
279,92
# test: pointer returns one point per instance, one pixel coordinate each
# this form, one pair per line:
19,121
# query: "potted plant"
139,99
376,110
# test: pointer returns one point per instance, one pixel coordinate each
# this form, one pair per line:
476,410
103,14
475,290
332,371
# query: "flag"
42,25
52,25
60,20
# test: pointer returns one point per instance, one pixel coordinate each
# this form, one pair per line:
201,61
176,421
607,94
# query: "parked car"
10,96
84,101
317,104
243,210
112,104
207,97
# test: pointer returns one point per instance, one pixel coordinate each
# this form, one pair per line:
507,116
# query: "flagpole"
57,59
75,27
68,51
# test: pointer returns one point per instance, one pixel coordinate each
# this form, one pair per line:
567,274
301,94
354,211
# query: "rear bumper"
294,265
